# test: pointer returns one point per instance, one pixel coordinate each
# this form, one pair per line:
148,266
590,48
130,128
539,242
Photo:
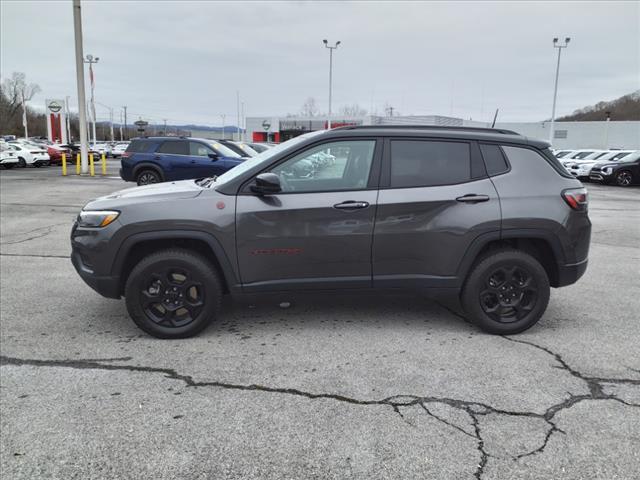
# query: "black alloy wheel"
506,292
148,177
510,293
624,178
173,293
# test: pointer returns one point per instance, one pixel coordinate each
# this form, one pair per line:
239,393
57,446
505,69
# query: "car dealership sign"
56,120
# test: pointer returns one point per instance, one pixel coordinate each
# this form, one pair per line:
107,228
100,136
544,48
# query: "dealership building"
598,134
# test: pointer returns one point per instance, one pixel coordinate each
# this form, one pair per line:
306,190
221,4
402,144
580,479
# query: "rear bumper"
571,273
105,285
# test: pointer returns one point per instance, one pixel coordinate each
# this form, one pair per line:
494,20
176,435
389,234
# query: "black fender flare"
220,255
484,239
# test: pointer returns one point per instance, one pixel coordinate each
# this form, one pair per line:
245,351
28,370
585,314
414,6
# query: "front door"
317,232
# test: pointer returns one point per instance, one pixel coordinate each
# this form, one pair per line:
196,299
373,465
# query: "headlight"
96,218
607,170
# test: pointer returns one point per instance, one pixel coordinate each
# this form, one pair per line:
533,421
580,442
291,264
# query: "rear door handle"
351,205
473,198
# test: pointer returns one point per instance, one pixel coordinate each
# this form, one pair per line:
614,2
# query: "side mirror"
266,184
213,156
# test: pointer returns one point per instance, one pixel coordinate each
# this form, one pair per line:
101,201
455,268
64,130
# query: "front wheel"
173,293
506,292
624,178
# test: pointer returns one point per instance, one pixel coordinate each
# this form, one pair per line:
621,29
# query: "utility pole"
77,29
331,49
120,125
126,133
67,114
91,60
24,116
555,88
238,112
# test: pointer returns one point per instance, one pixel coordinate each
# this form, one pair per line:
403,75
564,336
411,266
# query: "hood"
156,192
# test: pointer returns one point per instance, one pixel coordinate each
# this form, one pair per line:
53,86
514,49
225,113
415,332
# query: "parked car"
55,152
260,147
623,171
241,149
102,148
487,214
119,149
578,155
562,153
29,154
160,159
8,156
582,169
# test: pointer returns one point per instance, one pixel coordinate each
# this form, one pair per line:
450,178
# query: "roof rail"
430,127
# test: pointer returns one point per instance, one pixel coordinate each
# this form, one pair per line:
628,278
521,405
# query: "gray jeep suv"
485,213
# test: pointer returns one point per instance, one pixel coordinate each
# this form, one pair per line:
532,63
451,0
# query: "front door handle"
473,198
351,205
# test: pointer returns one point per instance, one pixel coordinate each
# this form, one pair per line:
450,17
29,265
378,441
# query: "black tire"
167,279
506,292
8,166
22,163
624,178
148,176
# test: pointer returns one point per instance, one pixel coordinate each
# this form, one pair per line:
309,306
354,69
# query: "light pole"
77,30
91,60
555,88
331,49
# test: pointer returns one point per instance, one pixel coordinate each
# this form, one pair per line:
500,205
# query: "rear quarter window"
494,159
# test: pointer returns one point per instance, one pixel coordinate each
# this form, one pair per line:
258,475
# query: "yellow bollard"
64,164
78,164
92,170
104,163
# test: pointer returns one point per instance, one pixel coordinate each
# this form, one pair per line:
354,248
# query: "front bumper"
105,285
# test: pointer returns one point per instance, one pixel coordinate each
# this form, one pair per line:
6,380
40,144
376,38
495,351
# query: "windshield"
222,150
619,156
264,157
563,154
581,155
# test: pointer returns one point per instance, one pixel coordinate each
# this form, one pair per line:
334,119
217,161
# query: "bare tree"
353,110
12,91
309,108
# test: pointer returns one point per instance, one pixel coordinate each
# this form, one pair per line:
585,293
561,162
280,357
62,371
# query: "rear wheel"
506,293
147,177
22,162
624,178
173,293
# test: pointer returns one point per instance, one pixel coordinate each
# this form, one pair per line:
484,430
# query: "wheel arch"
541,245
147,166
137,246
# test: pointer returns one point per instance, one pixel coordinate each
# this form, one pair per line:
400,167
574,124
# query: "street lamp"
331,49
91,60
555,89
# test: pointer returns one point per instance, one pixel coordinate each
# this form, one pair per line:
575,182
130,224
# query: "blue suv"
160,159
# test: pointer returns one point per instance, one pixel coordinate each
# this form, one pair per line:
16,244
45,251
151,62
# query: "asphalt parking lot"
331,387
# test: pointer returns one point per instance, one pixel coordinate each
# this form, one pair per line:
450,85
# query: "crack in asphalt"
32,255
473,409
47,230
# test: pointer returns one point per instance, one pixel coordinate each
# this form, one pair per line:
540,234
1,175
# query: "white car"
119,149
562,153
576,155
30,154
8,157
102,148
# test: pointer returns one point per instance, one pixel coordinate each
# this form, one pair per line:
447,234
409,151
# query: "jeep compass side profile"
486,213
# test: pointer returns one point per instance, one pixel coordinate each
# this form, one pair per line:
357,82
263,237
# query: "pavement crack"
32,255
42,232
475,410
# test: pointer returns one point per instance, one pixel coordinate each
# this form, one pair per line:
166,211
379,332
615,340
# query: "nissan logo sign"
55,107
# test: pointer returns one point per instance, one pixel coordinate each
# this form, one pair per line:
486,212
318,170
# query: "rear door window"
138,146
174,147
424,163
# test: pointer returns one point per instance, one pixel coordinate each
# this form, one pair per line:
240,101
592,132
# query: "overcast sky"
185,60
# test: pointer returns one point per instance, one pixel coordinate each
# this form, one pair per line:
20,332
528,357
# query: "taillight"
126,155
576,198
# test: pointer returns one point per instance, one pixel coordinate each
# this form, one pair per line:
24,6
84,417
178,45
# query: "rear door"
173,155
317,232
435,199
